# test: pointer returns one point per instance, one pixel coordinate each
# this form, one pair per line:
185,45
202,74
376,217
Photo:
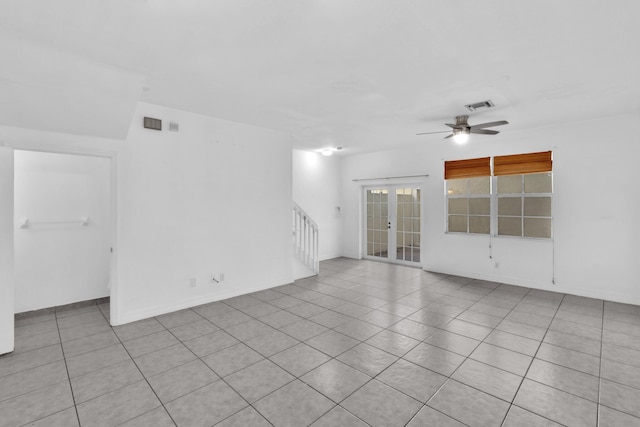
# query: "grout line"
600,368
73,397
143,376
363,275
220,378
531,363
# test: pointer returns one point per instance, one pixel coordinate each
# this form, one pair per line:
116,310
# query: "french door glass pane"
377,223
407,224
393,223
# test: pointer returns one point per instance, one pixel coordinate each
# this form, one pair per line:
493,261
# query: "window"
468,195
521,191
524,205
469,205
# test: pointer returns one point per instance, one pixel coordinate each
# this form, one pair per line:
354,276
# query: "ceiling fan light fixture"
327,152
460,136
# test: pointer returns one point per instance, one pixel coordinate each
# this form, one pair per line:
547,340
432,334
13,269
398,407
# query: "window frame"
468,196
493,206
522,195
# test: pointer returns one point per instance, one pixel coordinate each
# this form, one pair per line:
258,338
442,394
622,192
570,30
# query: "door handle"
389,225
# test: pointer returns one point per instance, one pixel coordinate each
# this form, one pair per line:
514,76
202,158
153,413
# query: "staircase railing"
305,239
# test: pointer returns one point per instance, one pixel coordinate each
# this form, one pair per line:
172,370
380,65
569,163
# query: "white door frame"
7,278
113,184
386,184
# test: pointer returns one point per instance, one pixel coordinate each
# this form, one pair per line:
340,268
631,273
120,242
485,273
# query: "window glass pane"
384,209
370,249
510,206
457,186
369,196
509,184
481,185
383,196
480,206
417,191
416,210
416,240
370,222
369,236
400,239
408,223
537,183
416,255
416,225
384,237
458,223
479,224
537,227
537,206
458,206
509,226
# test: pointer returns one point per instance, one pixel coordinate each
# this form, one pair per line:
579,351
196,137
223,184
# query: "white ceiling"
363,74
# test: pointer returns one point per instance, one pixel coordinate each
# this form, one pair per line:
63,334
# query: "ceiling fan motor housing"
462,120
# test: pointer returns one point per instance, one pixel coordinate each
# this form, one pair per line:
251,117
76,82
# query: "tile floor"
361,344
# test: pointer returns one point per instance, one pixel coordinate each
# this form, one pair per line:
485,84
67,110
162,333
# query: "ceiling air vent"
155,124
479,105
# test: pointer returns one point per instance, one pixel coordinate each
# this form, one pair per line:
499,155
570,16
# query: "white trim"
146,313
391,215
536,284
112,156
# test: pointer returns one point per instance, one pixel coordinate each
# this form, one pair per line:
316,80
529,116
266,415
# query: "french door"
392,223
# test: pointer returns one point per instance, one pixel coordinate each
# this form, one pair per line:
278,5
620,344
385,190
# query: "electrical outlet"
222,277
495,265
194,282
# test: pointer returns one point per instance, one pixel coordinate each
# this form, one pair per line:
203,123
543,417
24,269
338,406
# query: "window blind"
522,163
470,168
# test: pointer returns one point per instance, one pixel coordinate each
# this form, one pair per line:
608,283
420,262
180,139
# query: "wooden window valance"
522,163
470,168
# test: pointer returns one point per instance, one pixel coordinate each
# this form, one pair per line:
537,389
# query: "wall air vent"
155,124
479,105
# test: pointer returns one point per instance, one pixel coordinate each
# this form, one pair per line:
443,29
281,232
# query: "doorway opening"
64,228
392,223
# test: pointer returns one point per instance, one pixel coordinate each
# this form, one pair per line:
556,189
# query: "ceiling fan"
462,129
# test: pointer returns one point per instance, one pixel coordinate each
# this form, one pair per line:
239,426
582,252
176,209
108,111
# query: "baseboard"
537,284
135,315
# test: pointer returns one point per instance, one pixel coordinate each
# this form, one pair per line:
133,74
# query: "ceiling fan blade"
429,133
484,131
490,124
449,136
454,126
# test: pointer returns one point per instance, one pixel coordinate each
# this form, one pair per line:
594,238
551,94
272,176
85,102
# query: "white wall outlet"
495,265
193,282
222,277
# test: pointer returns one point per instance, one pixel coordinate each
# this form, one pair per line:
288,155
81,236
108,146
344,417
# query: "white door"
6,251
392,223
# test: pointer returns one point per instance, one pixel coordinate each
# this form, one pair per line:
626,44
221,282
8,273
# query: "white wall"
61,263
595,209
316,188
6,250
212,198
